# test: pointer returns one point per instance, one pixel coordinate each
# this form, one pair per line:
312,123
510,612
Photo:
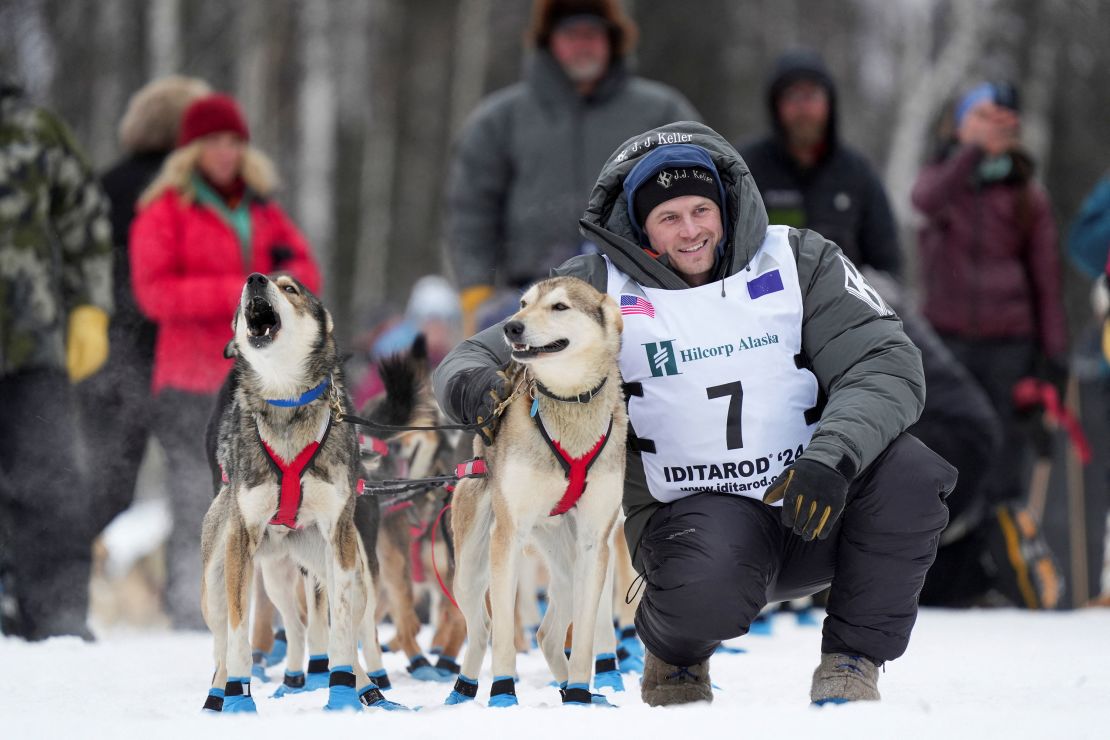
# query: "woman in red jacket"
205,224
990,266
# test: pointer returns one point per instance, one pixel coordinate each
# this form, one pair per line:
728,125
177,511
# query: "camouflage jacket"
55,237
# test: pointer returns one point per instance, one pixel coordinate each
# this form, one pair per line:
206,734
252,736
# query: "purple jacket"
990,267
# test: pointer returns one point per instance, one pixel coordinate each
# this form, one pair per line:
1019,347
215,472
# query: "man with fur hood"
768,390
115,400
525,160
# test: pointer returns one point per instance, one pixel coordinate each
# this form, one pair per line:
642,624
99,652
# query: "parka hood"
607,223
792,66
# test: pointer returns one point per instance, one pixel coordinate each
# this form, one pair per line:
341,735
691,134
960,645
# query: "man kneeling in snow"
769,387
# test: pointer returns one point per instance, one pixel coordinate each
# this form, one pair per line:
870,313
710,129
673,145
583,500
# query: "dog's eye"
290,289
560,307
523,304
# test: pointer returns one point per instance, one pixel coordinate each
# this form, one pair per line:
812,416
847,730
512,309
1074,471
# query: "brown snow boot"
664,684
842,678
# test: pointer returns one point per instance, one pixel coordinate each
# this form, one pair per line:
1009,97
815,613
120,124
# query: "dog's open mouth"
262,322
523,351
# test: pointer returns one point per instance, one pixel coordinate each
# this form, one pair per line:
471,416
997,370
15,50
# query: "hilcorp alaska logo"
663,359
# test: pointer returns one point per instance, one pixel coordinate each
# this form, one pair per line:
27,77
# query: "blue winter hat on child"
700,178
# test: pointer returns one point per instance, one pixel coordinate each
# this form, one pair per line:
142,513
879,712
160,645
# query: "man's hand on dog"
812,498
477,394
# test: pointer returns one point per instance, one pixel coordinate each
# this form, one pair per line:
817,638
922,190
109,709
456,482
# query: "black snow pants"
713,561
45,530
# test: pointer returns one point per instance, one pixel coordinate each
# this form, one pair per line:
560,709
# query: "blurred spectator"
578,102
1089,246
990,268
809,179
204,225
114,401
433,310
55,296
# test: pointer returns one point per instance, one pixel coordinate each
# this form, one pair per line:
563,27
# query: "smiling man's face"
687,230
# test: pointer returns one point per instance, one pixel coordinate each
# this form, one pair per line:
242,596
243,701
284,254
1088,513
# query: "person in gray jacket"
526,158
760,368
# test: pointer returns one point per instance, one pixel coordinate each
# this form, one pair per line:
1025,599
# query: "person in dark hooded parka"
809,178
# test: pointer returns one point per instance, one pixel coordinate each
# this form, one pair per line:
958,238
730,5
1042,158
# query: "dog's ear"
329,325
611,312
230,351
419,348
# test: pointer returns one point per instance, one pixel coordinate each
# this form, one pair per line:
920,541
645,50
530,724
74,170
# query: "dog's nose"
257,278
514,330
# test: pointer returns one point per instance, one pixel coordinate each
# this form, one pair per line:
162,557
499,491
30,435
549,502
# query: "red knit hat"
212,114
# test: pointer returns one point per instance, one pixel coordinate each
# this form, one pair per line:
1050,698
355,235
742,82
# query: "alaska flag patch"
768,282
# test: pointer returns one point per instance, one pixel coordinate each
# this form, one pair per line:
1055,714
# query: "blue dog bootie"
258,666
318,676
606,675
237,696
292,683
422,670
503,692
371,696
214,702
381,679
630,651
341,690
281,646
448,667
578,694
465,690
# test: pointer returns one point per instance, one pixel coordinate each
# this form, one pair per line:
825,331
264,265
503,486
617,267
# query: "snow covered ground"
979,674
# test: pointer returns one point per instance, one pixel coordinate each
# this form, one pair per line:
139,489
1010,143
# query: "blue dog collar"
305,398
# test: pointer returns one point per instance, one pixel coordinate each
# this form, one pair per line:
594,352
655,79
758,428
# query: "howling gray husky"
290,472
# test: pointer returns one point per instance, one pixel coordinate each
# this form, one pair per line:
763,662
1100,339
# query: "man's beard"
806,134
584,71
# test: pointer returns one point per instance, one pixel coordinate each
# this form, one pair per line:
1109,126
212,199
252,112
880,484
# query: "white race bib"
724,404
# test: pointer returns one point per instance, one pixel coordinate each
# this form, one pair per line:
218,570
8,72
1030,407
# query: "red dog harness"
575,468
291,476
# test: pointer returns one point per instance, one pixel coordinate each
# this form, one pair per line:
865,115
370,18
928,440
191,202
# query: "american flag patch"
634,304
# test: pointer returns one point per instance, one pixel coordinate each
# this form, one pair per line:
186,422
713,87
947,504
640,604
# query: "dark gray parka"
865,365
525,163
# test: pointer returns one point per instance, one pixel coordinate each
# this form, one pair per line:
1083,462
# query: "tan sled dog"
555,480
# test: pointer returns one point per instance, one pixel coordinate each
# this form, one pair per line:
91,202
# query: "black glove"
474,395
812,496
1055,371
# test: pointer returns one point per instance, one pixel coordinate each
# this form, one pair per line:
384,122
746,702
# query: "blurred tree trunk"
1040,88
317,113
252,63
108,99
164,49
423,99
379,159
927,80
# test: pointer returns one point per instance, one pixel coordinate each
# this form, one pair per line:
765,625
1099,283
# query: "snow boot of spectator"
842,678
664,684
